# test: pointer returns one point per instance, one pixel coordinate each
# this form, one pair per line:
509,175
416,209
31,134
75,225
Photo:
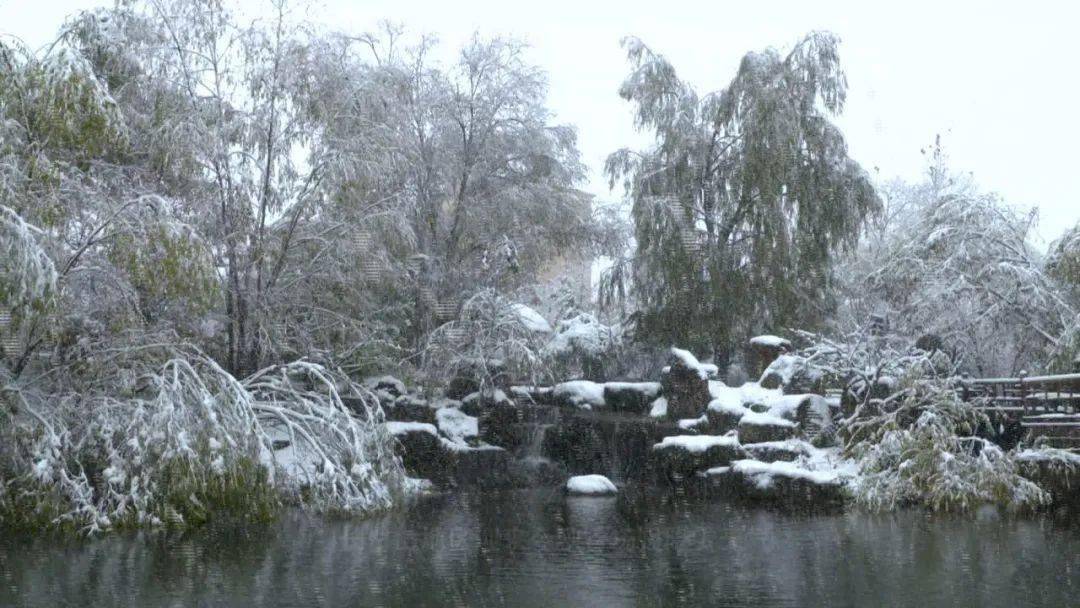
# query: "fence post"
1023,391
964,387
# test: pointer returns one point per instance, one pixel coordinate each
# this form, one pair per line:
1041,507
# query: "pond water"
538,548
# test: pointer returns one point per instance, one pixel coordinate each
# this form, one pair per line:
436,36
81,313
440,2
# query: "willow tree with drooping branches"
743,200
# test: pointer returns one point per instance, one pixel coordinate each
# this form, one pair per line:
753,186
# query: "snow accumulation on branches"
905,429
196,440
27,274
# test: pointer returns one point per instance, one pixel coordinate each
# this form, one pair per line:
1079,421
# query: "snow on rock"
456,425
389,385
790,482
758,427
590,485
400,428
455,446
689,424
417,486
770,341
687,358
725,398
658,409
765,419
813,413
530,319
792,372
633,397
787,406
475,404
686,386
697,443
681,456
649,389
787,450
1050,456
581,393
754,394
764,474
1056,471
730,404
408,408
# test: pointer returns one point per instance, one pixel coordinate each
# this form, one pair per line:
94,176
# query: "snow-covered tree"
958,264
746,196
461,173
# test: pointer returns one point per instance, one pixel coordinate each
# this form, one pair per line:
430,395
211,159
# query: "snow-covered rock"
457,426
772,451
409,408
770,341
658,408
633,397
686,386
475,404
388,385
813,413
792,373
680,456
757,427
580,393
398,428
590,485
689,361
780,481
726,408
764,474
694,424
420,448
1057,471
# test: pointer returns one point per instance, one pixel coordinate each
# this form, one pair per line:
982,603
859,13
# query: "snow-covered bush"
921,450
193,441
581,345
912,438
490,339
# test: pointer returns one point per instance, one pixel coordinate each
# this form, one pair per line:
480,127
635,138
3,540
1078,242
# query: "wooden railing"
1025,395
1044,406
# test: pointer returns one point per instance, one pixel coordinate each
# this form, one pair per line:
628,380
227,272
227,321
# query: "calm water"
537,548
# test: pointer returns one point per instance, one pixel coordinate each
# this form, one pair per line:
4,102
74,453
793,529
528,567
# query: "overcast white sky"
998,80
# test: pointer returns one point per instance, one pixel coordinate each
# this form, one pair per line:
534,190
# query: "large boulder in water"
779,482
590,485
1056,471
450,463
421,450
483,466
679,457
